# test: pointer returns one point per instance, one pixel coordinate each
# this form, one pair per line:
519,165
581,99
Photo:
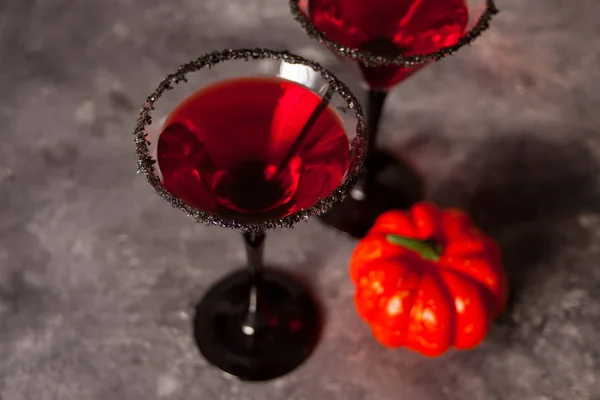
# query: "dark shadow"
396,185
398,174
526,180
525,192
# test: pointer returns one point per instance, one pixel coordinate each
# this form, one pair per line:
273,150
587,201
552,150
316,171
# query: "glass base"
283,334
396,186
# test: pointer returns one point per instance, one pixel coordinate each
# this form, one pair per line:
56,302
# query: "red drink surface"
390,28
220,148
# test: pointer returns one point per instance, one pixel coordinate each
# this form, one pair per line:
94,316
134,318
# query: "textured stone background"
98,276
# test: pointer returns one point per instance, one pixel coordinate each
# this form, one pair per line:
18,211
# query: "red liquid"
390,28
221,147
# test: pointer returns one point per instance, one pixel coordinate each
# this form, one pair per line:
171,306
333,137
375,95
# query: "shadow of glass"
526,193
399,175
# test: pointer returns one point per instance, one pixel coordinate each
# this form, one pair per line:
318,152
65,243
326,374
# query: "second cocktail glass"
389,40
259,139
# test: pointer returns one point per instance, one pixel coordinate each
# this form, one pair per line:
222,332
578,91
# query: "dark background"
98,276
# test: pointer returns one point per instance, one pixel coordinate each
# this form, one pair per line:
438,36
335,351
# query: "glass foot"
282,335
396,186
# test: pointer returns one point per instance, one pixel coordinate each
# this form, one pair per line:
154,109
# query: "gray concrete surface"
98,276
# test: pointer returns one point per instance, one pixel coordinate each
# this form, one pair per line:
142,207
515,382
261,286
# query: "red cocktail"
390,28
222,149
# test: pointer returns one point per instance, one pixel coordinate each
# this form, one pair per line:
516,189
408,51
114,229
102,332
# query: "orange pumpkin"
427,279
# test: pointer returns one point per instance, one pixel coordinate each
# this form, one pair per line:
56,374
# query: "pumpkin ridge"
480,295
495,271
452,328
413,299
468,277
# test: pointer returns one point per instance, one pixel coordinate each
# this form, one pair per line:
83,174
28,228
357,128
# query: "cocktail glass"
258,139
388,40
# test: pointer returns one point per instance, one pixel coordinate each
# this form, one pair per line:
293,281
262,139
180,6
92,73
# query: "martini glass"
254,140
388,41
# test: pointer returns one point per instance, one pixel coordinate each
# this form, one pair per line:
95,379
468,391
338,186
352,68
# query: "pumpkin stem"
427,249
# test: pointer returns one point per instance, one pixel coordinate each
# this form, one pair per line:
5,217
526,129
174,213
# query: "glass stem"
375,102
254,244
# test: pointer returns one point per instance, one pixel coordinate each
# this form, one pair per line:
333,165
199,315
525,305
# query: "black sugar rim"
372,60
146,162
